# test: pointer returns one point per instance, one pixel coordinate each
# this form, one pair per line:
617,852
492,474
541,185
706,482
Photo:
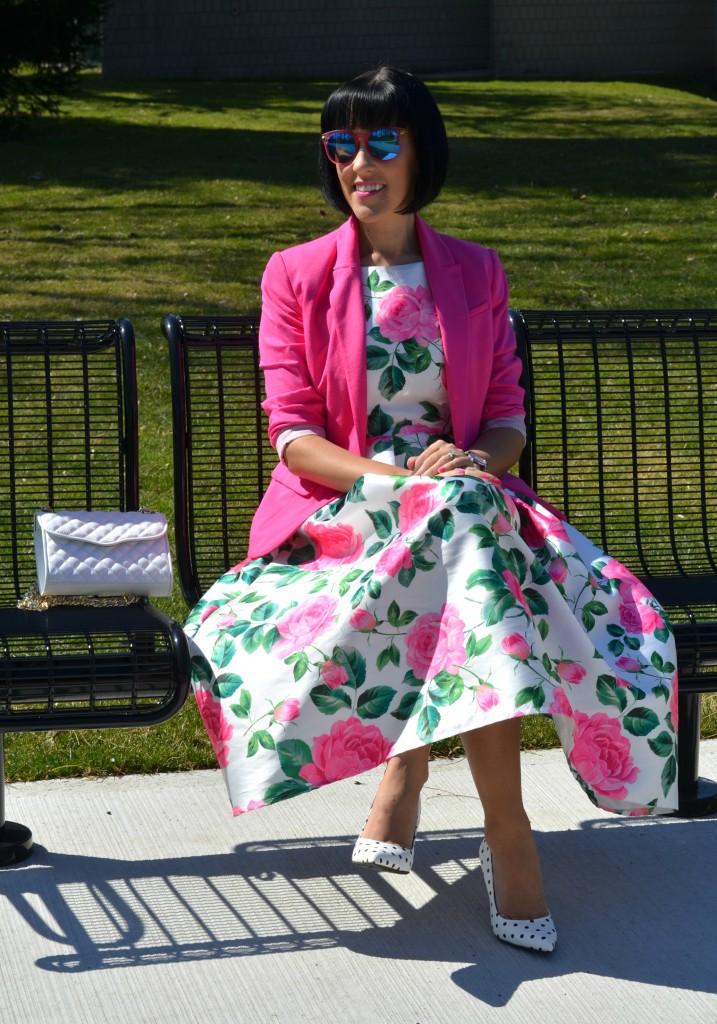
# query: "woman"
401,587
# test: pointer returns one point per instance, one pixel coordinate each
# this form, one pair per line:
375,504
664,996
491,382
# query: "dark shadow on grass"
629,898
97,155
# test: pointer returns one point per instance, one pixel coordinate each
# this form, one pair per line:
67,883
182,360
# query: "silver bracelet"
479,461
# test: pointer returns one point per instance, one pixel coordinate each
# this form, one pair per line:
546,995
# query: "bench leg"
698,797
15,840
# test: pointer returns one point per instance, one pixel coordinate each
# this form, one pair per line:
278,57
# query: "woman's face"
376,189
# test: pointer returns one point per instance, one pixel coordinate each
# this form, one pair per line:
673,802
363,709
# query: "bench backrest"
222,456
622,411
68,430
623,437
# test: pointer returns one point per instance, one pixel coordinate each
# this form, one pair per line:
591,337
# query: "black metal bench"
622,416
68,439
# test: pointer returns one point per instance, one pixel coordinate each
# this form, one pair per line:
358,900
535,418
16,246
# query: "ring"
454,454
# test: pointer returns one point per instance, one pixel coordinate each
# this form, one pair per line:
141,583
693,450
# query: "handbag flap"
104,528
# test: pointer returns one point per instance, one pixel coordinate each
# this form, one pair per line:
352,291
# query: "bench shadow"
629,899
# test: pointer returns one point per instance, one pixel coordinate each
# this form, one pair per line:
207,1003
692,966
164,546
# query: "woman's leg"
493,754
392,818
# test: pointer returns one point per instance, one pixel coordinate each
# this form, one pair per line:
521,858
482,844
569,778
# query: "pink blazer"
312,342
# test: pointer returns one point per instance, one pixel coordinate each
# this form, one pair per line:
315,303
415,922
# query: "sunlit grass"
155,197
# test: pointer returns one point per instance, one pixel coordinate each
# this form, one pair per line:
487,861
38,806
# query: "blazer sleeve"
291,395
505,397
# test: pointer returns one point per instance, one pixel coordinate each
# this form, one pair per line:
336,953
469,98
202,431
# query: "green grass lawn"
155,197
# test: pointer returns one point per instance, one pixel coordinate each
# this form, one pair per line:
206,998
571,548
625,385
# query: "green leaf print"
293,755
379,422
446,689
530,695
486,579
227,684
616,647
497,607
669,774
441,524
410,680
412,357
201,670
252,746
543,628
474,648
264,611
375,702
328,701
662,745
283,790
389,655
615,630
391,382
374,588
300,661
451,489
428,721
393,614
243,708
374,280
486,537
405,576
663,635
430,413
375,333
640,721
610,693
381,523
253,639
474,503
376,358
588,612
265,739
662,691
223,651
409,706
536,602
353,663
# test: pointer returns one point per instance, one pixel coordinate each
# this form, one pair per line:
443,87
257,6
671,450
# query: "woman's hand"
440,457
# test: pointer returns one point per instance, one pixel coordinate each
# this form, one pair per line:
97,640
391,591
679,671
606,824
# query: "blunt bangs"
384,97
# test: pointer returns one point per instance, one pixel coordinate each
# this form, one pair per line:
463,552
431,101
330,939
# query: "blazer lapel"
348,330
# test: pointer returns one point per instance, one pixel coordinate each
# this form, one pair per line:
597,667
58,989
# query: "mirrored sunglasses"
383,144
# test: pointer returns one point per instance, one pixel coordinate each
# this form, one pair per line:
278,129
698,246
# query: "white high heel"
537,933
372,853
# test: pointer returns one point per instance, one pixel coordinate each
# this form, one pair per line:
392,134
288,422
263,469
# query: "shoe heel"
379,856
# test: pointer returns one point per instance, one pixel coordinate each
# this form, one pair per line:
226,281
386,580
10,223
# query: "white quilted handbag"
104,553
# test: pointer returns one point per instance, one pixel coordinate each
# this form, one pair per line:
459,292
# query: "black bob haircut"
386,97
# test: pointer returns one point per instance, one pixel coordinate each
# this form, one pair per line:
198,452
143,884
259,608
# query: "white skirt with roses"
413,609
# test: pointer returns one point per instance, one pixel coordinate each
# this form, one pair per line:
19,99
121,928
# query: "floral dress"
416,608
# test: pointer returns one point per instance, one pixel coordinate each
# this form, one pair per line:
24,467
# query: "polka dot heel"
378,856
536,933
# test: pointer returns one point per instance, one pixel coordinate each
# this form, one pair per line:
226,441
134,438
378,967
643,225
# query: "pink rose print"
408,313
629,618
486,697
570,671
516,646
363,621
558,570
418,503
628,664
335,545
513,585
537,527
434,643
253,805
395,557
287,711
333,675
601,754
218,728
500,525
304,624
560,705
614,570
348,749
208,611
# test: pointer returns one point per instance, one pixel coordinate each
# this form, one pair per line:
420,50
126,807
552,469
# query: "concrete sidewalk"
147,903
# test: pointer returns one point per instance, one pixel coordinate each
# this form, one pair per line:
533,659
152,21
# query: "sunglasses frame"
360,137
